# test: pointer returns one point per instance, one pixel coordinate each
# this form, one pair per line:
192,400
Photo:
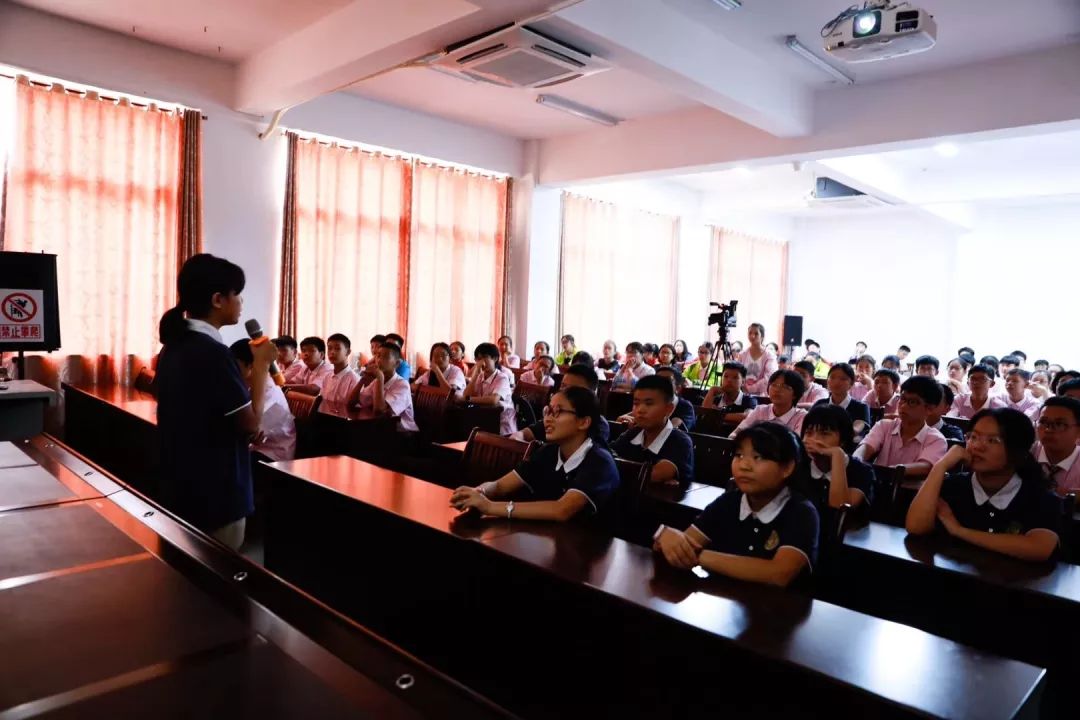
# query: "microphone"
255,332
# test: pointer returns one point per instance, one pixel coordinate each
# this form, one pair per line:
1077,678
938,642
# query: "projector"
879,32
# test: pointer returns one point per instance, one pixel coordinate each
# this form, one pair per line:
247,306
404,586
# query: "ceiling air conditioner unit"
518,56
829,193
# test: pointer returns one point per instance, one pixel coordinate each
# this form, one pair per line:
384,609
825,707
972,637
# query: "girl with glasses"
1002,502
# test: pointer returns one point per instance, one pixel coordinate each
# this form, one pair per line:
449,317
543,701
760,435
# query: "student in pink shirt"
957,372
865,367
1017,396
980,382
759,362
337,388
886,382
316,369
785,387
541,372
287,360
507,358
488,386
388,393
907,440
814,392
1057,450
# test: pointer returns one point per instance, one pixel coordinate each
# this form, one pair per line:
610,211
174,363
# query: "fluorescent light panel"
802,51
557,103
729,4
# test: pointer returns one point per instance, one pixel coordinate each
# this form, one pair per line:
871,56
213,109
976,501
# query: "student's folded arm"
570,504
839,491
1036,546
922,513
865,452
305,389
918,469
781,570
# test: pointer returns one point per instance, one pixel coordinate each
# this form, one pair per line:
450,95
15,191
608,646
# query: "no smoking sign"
21,316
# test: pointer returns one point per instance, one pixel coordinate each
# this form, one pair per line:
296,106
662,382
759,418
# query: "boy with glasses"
980,381
1057,451
907,441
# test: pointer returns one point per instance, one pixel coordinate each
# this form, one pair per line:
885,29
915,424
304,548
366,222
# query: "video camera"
725,317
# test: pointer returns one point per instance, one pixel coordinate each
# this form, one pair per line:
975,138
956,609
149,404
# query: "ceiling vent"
829,193
520,57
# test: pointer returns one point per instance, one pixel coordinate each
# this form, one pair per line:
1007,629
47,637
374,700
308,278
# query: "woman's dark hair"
550,360
567,338
547,348
867,359
831,418
760,329
201,278
844,368
1018,435
585,405
582,358
964,360
775,348
459,344
670,347
707,344
773,441
793,380
241,350
508,339
487,350
651,348
685,354
431,356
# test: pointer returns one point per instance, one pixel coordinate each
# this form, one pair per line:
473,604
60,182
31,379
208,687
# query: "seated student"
865,367
287,359
633,369
276,438
1042,365
570,476
1057,450
891,362
759,361
684,416
783,362
609,360
860,350
1007,363
1021,356
540,349
841,378
1039,386
773,348
957,372
886,382
682,354
653,439
403,368
388,393
907,440
935,413
811,346
310,380
489,386
337,388
1063,376
649,352
813,392
583,358
507,358
442,373
728,397
766,531
457,356
541,372
666,355
1004,504
927,365
980,380
997,389
695,372
368,361
902,352
568,350
576,376
835,477
785,386
1017,396
1070,388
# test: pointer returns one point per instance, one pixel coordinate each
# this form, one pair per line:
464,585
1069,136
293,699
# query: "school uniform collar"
1065,464
783,419
656,444
343,370
768,513
1001,498
736,401
844,404
201,326
817,473
920,436
571,463
939,424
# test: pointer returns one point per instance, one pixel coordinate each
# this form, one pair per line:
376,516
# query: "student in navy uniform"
934,414
835,477
569,476
653,439
766,531
684,416
841,379
728,397
1004,504
206,416
576,375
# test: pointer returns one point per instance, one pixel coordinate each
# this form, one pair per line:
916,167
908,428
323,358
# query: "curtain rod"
112,98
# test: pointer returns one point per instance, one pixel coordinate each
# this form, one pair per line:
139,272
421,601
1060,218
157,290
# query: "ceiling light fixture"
947,149
557,103
802,51
729,4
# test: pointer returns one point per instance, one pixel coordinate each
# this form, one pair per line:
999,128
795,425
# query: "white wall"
242,175
885,278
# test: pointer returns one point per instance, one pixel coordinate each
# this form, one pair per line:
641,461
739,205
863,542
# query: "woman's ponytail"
172,325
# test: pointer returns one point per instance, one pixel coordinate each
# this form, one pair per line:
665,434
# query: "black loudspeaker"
793,330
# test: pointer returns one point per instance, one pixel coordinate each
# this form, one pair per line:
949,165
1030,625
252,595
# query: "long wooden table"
112,608
552,620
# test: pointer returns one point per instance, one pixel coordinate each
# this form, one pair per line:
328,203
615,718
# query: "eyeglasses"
912,401
975,438
1054,425
554,411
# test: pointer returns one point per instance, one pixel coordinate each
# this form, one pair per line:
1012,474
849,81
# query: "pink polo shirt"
792,419
1029,404
293,371
339,386
1066,473
963,408
317,376
758,371
860,391
813,393
890,407
928,445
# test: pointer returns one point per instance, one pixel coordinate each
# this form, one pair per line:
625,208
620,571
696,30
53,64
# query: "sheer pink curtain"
752,270
352,242
458,259
617,274
95,181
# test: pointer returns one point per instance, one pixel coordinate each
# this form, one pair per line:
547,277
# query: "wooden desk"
359,433
566,594
114,609
22,408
